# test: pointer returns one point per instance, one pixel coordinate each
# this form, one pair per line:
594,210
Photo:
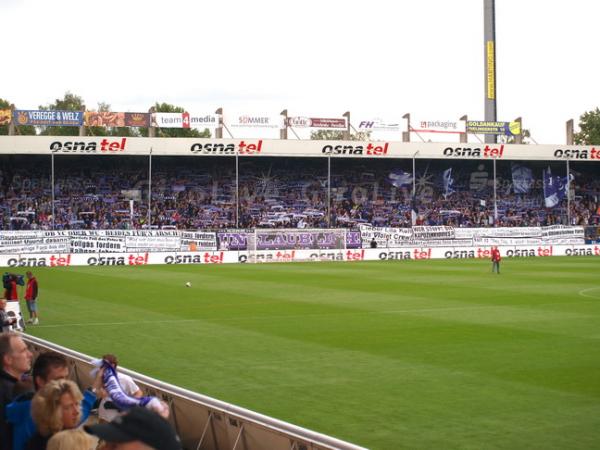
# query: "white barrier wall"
228,257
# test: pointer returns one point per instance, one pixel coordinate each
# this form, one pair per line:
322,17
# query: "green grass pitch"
389,355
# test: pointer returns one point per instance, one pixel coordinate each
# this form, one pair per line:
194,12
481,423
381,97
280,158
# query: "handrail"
241,414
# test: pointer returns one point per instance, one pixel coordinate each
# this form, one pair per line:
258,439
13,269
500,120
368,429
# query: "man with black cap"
137,429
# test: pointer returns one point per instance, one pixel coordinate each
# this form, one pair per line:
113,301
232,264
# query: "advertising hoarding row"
90,145
16,261
116,241
261,120
105,241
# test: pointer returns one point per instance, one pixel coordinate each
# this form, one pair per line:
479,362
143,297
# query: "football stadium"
347,294
182,279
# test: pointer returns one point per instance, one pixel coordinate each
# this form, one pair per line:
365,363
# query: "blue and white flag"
400,178
123,401
551,198
522,179
414,212
555,188
448,182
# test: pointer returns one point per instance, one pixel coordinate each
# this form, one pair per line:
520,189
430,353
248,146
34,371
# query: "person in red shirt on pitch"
496,260
10,290
31,295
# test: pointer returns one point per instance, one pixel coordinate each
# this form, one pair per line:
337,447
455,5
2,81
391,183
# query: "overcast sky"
320,58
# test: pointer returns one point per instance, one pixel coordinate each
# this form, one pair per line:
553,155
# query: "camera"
8,278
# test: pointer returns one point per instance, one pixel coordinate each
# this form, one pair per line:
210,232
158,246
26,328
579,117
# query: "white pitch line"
583,293
295,316
417,311
87,324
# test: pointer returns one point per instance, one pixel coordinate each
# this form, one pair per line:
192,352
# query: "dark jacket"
18,414
37,442
7,384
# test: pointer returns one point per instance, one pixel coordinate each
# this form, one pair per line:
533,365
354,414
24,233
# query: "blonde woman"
72,440
54,408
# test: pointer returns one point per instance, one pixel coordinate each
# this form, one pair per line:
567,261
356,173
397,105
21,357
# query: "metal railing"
203,422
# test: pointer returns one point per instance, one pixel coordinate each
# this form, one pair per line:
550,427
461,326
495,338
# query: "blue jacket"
18,413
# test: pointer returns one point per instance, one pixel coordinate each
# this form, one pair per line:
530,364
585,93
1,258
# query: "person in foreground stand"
118,397
5,321
138,429
496,260
48,366
31,295
76,439
127,384
15,358
55,407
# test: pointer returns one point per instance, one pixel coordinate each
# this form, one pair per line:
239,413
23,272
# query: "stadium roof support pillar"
463,136
329,190
568,194
519,137
284,131
82,128
406,134
219,129
489,72
11,124
570,132
151,129
346,134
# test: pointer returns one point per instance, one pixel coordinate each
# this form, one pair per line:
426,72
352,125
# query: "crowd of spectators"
41,409
93,192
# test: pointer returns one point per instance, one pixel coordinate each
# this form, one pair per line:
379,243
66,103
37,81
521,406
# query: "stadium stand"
187,193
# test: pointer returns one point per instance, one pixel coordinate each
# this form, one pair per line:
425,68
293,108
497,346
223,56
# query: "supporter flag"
448,182
414,212
550,189
400,178
555,188
522,179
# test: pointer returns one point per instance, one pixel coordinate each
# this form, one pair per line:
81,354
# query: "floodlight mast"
489,46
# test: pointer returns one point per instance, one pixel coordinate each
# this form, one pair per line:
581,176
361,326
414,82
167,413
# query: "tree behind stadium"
589,124
23,130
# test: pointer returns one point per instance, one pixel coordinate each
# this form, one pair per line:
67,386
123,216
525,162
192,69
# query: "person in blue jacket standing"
47,367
